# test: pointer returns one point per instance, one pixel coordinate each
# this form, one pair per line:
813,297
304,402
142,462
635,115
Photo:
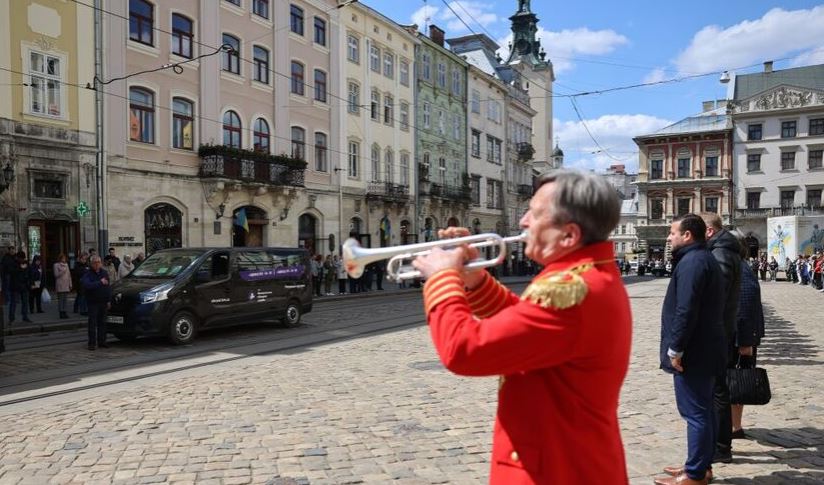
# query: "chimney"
768,66
721,103
436,34
707,106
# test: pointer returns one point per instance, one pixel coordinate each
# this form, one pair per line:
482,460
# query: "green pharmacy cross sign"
82,209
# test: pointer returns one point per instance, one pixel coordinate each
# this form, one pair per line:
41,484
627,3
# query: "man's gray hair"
585,199
95,258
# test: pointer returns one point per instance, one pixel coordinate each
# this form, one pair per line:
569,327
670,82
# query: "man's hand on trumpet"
439,259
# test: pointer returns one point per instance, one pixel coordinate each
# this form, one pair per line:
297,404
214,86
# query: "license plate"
114,319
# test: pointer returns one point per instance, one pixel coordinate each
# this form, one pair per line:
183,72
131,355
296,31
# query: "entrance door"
308,234
248,227
49,239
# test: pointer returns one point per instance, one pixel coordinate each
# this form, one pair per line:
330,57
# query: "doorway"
248,227
49,239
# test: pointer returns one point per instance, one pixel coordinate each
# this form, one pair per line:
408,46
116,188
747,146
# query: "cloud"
657,75
614,133
473,13
809,58
562,47
779,33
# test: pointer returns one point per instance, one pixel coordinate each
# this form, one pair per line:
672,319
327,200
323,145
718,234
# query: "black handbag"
748,386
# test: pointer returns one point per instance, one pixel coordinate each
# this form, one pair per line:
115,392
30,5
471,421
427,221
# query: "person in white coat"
62,285
126,266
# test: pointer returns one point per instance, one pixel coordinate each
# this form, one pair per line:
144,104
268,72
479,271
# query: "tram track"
69,337
316,336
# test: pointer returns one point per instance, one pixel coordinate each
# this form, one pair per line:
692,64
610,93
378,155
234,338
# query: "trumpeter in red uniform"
561,349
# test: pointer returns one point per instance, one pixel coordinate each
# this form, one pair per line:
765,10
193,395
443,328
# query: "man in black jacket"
98,292
692,345
727,251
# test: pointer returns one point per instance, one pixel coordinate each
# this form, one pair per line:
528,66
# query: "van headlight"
156,294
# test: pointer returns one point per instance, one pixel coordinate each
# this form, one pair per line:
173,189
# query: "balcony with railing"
387,192
764,212
525,151
450,192
525,190
218,161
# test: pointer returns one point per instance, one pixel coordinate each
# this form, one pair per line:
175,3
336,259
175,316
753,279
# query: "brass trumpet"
355,258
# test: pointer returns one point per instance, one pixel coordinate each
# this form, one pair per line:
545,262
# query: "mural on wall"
782,240
811,234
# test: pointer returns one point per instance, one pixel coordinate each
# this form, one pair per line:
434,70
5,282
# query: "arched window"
182,123
261,136
231,129
261,56
376,163
321,147
355,227
231,57
182,35
141,115
307,232
141,21
163,227
389,160
298,143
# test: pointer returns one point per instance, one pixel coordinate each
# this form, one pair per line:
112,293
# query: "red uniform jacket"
562,352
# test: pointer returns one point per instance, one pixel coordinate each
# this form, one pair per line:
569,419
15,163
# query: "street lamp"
7,177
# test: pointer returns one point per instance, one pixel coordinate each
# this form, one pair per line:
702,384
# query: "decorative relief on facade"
44,44
784,97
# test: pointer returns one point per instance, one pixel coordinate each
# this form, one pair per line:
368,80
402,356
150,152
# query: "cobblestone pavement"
381,409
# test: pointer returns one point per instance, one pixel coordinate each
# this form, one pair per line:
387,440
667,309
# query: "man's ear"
572,235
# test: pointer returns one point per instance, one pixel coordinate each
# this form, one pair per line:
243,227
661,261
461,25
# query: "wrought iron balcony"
423,172
451,192
762,213
246,166
387,191
525,190
525,151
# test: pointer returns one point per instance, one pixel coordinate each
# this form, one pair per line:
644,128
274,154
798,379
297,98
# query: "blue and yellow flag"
240,219
386,226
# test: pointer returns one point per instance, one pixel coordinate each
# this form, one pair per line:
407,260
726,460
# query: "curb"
43,327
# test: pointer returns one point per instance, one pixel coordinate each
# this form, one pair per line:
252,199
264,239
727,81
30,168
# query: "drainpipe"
102,206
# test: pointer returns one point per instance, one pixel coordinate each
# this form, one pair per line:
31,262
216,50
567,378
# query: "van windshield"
166,264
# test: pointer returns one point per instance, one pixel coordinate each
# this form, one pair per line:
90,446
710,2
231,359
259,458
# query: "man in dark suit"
726,249
693,345
98,293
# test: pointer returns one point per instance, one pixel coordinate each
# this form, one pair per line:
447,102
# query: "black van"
177,292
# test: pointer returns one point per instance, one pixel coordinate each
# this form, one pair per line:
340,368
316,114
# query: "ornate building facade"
685,167
779,142
47,125
378,190
441,135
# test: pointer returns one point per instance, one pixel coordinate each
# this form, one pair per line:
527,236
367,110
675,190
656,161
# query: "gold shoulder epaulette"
559,290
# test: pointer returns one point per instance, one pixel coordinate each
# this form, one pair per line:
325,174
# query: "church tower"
557,157
529,58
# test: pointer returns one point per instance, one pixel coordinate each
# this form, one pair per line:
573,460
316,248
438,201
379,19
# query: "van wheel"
292,315
183,328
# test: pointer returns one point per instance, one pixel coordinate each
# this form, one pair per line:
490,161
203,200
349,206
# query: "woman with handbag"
749,331
36,282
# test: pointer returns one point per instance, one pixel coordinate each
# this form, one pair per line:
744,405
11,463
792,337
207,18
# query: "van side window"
289,259
215,268
253,261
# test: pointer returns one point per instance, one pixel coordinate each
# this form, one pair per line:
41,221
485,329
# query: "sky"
596,45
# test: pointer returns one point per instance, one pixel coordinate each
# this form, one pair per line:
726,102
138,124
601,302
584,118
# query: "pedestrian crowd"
805,270
24,283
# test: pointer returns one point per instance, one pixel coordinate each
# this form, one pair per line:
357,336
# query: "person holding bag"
36,282
63,285
749,330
